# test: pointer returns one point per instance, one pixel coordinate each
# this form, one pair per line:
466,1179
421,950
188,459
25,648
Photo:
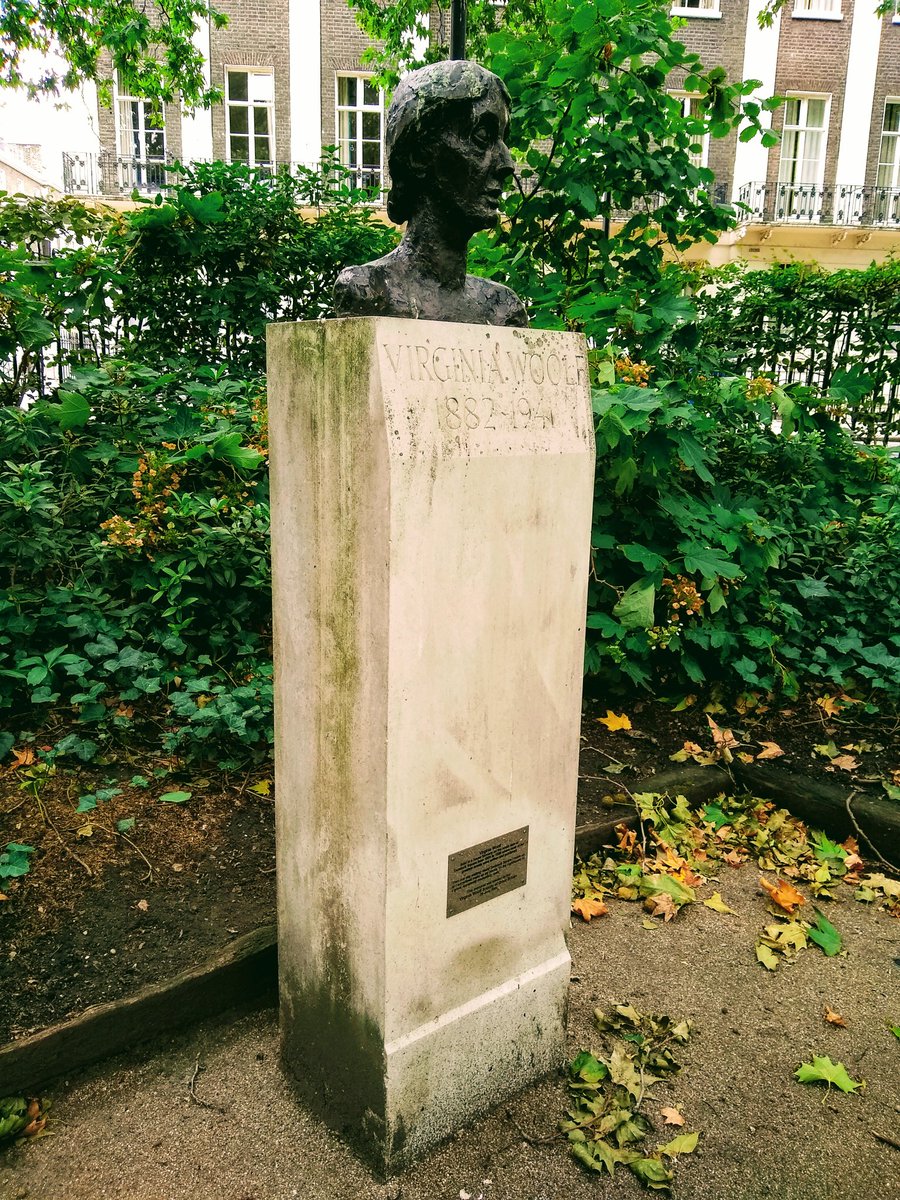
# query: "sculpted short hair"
425,102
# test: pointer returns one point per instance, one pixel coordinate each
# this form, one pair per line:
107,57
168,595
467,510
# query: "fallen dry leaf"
3,896
829,704
662,905
834,1018
724,740
782,893
846,762
142,905
613,722
770,750
671,1116
587,908
626,838
733,858
745,757
24,758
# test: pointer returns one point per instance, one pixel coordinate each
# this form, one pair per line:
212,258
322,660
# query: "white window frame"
896,17
360,108
818,10
251,105
805,191
707,9
886,196
686,100
143,171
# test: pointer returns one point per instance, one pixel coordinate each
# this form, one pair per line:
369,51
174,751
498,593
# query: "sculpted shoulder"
361,291
500,304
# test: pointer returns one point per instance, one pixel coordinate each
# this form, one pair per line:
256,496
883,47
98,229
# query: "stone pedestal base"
431,509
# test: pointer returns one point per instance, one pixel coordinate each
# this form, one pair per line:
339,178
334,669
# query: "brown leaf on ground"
24,758
627,838
829,704
846,762
587,908
662,906
834,1018
770,750
734,858
782,893
671,1116
724,740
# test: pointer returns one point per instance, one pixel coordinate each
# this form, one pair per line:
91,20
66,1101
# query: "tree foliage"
607,163
149,44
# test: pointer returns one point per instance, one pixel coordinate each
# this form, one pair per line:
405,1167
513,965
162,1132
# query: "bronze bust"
448,162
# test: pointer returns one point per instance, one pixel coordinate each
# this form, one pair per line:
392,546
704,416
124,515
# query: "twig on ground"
193,1095
863,836
884,1138
68,849
534,1141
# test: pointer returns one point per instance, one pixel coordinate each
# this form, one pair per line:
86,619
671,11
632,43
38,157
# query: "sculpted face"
471,164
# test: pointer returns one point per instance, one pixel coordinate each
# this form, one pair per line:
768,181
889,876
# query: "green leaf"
708,563
635,609
823,1070
824,934
653,1173
653,885
125,824
175,797
229,448
647,558
685,1143
587,1068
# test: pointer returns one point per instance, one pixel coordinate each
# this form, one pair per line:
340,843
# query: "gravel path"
131,1130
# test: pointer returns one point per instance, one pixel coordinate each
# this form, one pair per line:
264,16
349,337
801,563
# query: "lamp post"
458,29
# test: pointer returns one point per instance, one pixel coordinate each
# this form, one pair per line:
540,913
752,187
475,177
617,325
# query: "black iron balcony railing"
107,174
844,204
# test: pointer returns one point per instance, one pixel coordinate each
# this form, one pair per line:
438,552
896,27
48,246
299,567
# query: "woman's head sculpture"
448,162
428,105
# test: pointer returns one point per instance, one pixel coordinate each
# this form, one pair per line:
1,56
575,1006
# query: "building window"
692,110
250,116
696,8
829,10
360,125
801,171
887,180
141,142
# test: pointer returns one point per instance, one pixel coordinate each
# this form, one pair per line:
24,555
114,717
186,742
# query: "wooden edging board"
247,968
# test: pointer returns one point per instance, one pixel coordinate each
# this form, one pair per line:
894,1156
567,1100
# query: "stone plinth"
431,511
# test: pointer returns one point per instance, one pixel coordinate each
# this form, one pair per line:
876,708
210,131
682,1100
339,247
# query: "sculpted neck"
437,252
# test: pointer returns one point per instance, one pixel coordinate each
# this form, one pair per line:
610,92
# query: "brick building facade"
294,82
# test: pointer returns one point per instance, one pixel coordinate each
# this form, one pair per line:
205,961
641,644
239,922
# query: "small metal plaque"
489,869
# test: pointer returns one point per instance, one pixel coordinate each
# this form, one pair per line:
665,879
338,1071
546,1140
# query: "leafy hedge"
834,331
134,559
741,538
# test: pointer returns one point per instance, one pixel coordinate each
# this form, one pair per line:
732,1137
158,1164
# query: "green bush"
835,332
741,538
134,555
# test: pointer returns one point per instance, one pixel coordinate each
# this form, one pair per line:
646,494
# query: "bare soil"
102,913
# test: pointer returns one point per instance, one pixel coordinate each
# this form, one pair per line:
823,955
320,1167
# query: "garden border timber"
246,970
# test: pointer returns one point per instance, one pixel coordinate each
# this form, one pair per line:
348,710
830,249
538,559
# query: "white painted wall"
859,93
304,33
196,125
760,62
67,123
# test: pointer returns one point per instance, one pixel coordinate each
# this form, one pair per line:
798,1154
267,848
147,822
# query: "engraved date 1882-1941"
461,414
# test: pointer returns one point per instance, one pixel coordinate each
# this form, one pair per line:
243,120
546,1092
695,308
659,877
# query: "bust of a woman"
448,162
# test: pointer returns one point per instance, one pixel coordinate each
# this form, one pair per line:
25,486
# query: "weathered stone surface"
431,504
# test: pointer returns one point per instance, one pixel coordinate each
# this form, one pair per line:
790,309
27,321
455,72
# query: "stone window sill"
814,16
705,14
